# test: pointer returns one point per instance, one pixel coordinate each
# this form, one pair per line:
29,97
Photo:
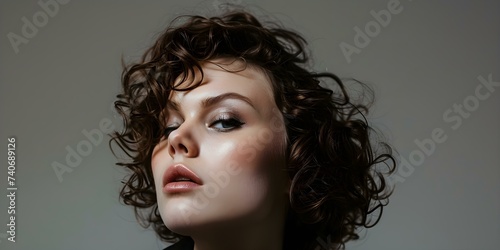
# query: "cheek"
159,163
244,174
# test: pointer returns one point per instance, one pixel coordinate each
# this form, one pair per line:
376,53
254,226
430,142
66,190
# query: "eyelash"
233,122
169,130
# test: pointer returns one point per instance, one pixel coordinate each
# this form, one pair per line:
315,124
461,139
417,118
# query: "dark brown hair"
333,162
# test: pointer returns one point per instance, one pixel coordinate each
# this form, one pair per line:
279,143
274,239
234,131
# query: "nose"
182,142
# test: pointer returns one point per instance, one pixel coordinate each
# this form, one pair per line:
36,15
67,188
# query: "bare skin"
228,133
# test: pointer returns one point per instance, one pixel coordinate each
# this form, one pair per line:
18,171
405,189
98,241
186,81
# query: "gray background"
426,60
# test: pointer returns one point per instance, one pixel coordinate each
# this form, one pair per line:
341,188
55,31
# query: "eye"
225,123
169,130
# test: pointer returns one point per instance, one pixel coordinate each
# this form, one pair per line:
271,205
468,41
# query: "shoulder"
184,244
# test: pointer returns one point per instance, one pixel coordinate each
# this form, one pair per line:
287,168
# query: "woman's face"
228,133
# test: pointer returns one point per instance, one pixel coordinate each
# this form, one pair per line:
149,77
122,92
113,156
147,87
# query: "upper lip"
177,171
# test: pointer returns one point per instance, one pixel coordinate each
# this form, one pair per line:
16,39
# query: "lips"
178,178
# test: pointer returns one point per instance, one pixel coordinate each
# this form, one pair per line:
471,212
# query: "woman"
235,144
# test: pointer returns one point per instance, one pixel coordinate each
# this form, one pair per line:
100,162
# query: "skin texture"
244,197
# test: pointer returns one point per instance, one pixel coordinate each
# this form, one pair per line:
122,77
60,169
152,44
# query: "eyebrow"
211,101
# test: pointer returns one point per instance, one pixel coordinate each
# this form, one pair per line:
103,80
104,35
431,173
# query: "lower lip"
180,187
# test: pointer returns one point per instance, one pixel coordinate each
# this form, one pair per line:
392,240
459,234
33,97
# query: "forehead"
223,76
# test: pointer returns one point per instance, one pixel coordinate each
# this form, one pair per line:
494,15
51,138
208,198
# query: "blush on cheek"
264,141
253,193
246,152
259,182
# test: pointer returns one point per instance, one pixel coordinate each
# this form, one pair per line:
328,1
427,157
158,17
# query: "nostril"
183,148
182,142
171,150
179,148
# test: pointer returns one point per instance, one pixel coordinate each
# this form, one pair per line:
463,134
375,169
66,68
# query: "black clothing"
184,244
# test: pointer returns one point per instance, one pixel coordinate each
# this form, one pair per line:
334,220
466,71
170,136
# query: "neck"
265,234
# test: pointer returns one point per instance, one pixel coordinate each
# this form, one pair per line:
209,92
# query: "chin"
181,217
178,214
196,222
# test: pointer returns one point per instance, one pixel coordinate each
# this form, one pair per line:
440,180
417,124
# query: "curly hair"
331,159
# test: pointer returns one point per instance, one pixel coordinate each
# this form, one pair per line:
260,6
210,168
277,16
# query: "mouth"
178,179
